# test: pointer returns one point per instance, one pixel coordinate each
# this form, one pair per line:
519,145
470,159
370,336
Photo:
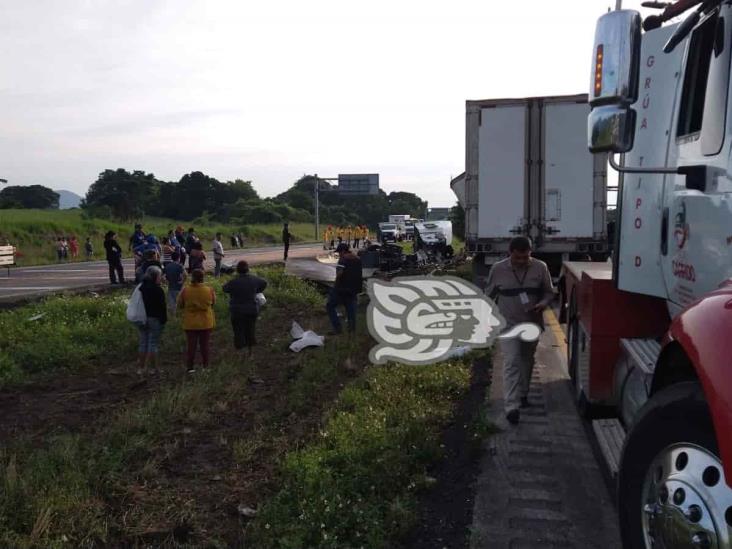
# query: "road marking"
27,288
551,320
59,269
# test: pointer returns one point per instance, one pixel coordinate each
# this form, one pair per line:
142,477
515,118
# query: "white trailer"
528,172
400,218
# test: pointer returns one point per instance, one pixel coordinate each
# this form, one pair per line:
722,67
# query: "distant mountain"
67,199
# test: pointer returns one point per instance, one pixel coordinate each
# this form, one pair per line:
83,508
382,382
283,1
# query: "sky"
269,91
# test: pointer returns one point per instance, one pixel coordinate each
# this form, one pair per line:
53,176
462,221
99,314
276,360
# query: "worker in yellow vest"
339,234
356,235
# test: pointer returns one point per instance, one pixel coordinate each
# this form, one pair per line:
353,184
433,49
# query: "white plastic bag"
296,331
260,299
308,339
304,338
136,308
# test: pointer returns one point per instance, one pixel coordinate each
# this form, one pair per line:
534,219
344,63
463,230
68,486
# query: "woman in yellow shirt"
195,303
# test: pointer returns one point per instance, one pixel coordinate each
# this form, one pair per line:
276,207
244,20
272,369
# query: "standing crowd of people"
354,236
68,248
194,304
174,248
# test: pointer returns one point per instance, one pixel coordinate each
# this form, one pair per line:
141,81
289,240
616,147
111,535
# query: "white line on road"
23,271
27,288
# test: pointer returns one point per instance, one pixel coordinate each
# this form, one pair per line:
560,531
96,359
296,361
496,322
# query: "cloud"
271,90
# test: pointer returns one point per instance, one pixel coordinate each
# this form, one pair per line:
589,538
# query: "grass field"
35,232
332,452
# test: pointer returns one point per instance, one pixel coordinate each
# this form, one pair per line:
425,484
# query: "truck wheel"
671,486
572,337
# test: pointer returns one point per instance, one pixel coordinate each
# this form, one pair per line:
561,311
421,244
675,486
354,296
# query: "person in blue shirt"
137,238
175,274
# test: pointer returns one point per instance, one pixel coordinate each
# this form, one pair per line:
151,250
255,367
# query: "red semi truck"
650,333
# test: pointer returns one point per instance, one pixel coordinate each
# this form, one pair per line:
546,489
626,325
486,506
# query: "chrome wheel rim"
686,501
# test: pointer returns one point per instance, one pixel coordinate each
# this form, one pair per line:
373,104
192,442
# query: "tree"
32,196
407,203
128,195
457,216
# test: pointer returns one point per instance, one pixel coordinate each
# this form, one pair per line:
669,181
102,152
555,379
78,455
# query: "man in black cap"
348,284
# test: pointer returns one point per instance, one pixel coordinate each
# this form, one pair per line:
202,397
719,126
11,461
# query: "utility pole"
317,202
618,4
3,181
317,209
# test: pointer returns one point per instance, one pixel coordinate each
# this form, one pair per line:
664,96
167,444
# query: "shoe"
525,402
513,417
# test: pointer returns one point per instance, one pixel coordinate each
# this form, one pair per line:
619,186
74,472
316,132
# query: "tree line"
130,195
32,196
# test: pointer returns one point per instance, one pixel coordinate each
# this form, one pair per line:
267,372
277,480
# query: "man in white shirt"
218,253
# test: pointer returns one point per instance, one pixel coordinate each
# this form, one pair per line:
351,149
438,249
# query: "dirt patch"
69,403
446,512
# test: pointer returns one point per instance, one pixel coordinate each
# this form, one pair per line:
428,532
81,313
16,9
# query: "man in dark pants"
286,238
348,284
522,287
114,258
243,305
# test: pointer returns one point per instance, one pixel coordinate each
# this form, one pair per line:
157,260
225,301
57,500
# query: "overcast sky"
269,91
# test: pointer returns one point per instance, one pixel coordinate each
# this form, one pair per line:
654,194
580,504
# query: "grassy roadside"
356,484
332,452
75,333
34,232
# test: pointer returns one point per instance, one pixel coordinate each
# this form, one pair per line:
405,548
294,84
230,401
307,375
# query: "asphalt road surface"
25,282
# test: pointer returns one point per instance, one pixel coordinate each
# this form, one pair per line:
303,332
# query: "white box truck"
528,172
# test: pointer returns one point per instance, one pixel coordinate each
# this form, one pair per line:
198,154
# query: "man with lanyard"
522,288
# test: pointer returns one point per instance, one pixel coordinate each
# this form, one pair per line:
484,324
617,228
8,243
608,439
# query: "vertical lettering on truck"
639,265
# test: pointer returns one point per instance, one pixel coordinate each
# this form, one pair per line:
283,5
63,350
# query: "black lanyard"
520,282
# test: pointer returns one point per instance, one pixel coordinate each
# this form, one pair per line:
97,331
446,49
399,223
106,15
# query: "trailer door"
568,172
501,171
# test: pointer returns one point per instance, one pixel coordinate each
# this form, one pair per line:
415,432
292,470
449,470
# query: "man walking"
522,288
286,238
348,284
218,253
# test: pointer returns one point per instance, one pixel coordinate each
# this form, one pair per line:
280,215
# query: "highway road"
25,282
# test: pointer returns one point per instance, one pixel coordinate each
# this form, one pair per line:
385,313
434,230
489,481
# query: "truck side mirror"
614,87
611,128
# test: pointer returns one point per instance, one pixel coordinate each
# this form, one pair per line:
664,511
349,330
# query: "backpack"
136,308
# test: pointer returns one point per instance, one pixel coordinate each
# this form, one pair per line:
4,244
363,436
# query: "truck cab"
650,338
